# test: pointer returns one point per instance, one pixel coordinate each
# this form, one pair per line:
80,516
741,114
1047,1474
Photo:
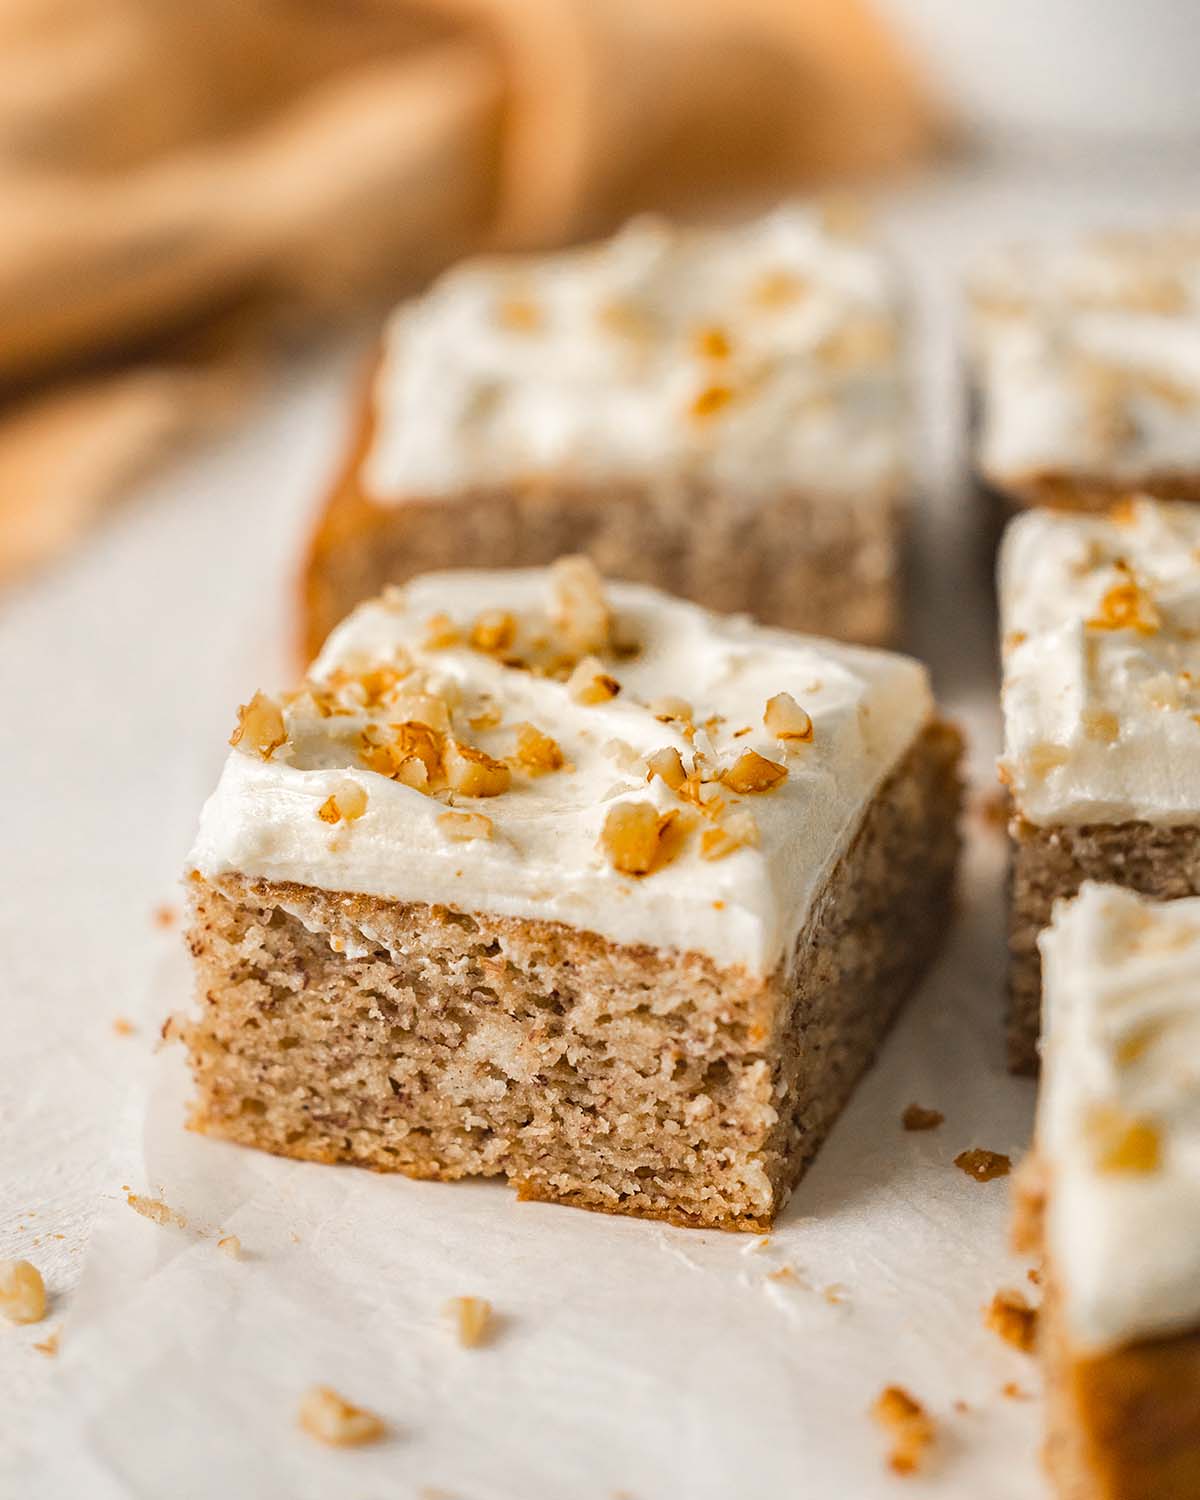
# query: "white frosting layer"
543,860
587,365
1088,358
1102,724
1121,1072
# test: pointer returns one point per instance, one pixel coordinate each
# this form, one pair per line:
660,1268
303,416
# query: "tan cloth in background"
181,184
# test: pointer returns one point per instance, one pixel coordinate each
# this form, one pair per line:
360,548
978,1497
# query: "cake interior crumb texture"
441,1044
1050,864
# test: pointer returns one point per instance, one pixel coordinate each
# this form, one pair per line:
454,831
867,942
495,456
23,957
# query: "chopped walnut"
441,633
590,684
983,1165
462,826
708,402
786,720
332,1419
1010,1315
472,1317
410,741
578,608
1124,1143
1126,606
910,1426
633,836
260,725
713,342
737,831
671,710
421,708
752,772
486,716
347,804
22,1292
473,773
667,765
230,1245
917,1117
537,753
493,631
155,1209
1099,724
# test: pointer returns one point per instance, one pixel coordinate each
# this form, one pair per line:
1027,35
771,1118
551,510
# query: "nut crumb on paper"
336,1422
156,1210
917,1117
908,1424
983,1165
1010,1315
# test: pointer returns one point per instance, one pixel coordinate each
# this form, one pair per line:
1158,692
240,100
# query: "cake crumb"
22,1292
231,1245
49,1345
122,1026
1013,1391
752,773
472,1317
910,1426
786,720
983,1165
784,1273
165,915
1034,1276
333,1420
155,1209
1010,1315
917,1117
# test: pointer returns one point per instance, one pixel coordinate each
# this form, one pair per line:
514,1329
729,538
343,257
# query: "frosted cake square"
1111,1196
720,413
1086,368
1101,638
587,888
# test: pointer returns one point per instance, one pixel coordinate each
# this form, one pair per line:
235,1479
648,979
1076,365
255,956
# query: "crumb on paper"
156,1210
909,1425
1034,1275
961,1406
22,1292
49,1345
338,1423
231,1245
122,1026
1010,1315
1013,1391
165,915
983,1165
835,1293
472,1319
786,1273
917,1117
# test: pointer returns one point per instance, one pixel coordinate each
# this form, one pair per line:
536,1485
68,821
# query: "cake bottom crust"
1060,490
442,1044
1049,864
1123,1424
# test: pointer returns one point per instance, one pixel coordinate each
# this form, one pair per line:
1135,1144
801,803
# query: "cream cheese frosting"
1119,1113
752,357
544,858
1101,623
1087,358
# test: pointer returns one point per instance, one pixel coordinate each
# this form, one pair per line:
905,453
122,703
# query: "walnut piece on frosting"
909,1425
590,684
752,772
472,1318
474,773
786,720
347,804
578,608
635,836
537,753
493,631
667,765
737,831
260,726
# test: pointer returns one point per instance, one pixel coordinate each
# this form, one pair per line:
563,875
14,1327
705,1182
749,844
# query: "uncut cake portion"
1101,638
717,412
1085,362
595,890
1111,1196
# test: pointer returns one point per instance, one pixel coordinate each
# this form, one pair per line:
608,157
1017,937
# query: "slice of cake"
1101,638
599,892
1086,367
1112,1196
717,412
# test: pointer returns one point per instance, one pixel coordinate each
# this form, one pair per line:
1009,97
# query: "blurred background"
190,193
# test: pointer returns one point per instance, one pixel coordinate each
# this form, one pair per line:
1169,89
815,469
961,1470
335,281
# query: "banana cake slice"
582,886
